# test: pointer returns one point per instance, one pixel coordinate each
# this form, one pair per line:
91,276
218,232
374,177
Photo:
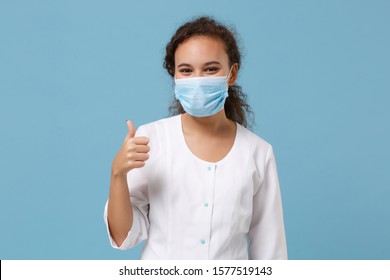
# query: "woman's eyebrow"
206,64
184,64
212,62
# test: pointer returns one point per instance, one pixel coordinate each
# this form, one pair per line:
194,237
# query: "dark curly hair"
236,107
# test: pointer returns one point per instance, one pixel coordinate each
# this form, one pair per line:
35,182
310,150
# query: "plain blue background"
71,72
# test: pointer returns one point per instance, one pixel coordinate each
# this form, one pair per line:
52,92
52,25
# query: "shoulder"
158,126
251,140
257,150
259,153
162,135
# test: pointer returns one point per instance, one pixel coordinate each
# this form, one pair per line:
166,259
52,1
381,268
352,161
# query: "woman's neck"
213,125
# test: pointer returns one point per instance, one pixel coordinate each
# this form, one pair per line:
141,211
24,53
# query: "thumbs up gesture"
132,154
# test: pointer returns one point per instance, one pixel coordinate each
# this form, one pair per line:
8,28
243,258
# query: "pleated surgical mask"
202,96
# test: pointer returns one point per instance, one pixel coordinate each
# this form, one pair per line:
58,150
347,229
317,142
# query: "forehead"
201,49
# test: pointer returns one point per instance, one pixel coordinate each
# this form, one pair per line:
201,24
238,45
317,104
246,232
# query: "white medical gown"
188,208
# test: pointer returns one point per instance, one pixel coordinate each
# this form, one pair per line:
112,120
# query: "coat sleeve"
266,234
138,189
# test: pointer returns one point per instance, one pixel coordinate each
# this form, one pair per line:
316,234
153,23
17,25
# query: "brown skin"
209,138
132,154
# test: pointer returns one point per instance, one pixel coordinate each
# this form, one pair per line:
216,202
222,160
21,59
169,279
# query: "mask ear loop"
230,71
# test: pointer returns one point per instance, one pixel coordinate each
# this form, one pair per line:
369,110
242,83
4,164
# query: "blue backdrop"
71,72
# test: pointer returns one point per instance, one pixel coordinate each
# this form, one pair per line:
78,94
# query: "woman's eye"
211,69
185,71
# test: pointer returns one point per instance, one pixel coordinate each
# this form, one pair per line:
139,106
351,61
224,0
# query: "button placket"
207,205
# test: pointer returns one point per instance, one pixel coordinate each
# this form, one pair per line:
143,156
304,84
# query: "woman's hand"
132,154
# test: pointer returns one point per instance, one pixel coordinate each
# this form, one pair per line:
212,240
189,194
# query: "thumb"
131,132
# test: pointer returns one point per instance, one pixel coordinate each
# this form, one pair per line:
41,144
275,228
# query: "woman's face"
201,56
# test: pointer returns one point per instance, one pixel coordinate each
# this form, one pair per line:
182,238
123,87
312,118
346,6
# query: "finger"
141,140
137,164
131,129
141,148
141,157
138,157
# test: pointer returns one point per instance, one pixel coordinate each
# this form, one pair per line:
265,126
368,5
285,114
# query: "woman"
201,185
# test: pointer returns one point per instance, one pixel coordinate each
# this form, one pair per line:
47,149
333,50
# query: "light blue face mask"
202,96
